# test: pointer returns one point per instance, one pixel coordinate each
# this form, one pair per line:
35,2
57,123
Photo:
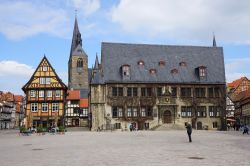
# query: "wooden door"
167,118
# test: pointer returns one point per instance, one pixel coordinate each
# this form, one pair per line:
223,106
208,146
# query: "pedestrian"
131,127
189,130
245,130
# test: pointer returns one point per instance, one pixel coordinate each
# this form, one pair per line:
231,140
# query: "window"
44,107
117,112
134,112
214,92
125,70
44,80
129,111
79,62
183,64
45,68
152,71
49,93
146,91
185,92
32,93
74,102
117,126
159,91
120,112
34,107
143,111
162,63
186,111
214,111
149,111
215,125
85,112
55,107
117,91
174,71
131,91
141,63
41,93
58,93
202,71
200,92
201,111
174,91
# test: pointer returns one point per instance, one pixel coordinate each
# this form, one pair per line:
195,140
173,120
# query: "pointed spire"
96,62
76,39
214,41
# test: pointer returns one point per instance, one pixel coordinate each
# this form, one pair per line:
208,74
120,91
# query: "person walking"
245,130
189,131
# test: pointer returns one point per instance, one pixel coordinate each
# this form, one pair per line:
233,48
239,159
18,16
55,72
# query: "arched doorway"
199,125
167,117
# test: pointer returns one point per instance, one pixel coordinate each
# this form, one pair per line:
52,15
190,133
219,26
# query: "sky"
30,29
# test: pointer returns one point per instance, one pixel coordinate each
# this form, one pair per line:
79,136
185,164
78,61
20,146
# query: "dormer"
201,72
183,64
174,71
125,71
162,63
141,63
152,71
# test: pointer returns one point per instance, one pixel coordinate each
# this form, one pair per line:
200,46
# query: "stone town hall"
150,85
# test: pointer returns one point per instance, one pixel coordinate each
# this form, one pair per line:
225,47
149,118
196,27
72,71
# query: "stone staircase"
165,127
73,129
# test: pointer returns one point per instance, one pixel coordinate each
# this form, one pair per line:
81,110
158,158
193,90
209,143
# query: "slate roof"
114,55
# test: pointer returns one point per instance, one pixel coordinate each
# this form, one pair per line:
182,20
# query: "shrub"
39,129
61,128
22,129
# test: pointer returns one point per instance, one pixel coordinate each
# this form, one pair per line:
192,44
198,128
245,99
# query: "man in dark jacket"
189,131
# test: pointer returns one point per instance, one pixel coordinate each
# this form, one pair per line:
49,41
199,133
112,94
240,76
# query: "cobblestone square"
145,148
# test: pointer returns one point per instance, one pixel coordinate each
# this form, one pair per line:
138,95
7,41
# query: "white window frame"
135,113
143,111
49,93
58,93
120,113
45,105
129,112
34,107
47,81
55,107
45,68
32,93
41,93
42,80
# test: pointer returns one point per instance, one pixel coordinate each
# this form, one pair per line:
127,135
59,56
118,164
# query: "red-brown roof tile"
236,83
18,98
73,95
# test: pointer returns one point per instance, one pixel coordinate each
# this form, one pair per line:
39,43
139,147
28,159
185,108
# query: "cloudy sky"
31,28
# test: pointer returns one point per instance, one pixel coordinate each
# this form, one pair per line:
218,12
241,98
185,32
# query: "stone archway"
167,117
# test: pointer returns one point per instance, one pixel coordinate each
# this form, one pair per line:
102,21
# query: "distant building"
146,86
45,97
20,110
237,86
76,110
7,110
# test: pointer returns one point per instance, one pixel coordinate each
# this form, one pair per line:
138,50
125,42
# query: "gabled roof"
236,83
18,98
242,95
73,95
114,55
31,78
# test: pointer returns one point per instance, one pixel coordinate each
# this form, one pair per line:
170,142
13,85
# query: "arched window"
79,62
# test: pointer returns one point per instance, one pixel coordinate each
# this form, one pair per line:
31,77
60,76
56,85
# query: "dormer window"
174,71
141,63
152,71
79,63
202,71
126,71
162,63
183,64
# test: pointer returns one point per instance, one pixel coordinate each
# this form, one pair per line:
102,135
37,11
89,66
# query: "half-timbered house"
45,97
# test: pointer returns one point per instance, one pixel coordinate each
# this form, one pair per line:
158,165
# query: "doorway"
167,118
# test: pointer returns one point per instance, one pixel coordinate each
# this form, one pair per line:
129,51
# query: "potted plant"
62,129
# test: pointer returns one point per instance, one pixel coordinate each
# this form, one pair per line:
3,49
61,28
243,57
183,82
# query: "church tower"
78,63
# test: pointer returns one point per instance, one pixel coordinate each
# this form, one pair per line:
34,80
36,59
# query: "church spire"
214,41
76,39
96,62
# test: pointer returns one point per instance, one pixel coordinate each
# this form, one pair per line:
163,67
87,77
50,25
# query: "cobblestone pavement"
145,148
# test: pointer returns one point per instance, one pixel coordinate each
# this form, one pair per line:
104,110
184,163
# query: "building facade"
76,114
45,97
150,85
7,111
